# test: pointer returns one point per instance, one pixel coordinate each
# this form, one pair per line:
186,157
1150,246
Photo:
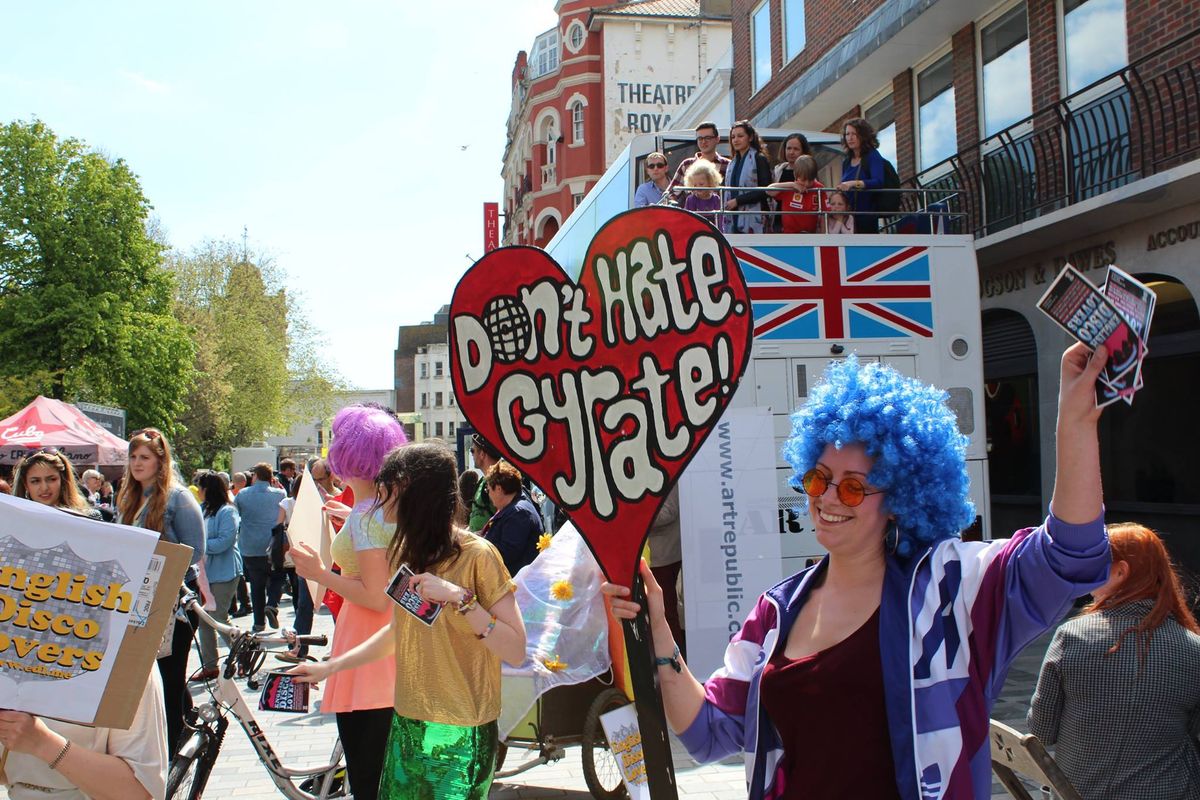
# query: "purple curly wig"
905,425
362,437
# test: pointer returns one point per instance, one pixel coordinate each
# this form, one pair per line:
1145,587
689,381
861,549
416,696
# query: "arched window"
551,144
577,122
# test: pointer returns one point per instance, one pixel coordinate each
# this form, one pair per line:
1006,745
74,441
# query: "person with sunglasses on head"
873,673
47,477
654,190
153,497
707,139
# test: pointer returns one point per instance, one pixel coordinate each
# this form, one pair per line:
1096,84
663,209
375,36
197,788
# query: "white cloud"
142,82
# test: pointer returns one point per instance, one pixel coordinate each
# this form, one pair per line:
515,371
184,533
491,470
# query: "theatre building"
1060,131
605,73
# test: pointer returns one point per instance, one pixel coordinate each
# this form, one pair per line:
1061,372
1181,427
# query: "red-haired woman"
1119,692
152,497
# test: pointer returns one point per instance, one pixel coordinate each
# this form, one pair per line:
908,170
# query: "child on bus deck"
799,200
702,176
839,219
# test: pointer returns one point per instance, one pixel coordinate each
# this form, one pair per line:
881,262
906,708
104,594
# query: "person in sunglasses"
872,674
654,190
47,477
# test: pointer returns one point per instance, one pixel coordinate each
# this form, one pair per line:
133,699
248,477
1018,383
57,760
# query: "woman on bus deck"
862,172
1120,685
361,699
794,146
47,477
751,170
872,673
654,189
153,497
443,737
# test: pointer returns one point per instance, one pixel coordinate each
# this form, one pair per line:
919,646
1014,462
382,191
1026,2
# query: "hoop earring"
891,538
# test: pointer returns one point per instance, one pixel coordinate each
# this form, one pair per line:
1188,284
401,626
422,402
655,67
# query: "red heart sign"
602,390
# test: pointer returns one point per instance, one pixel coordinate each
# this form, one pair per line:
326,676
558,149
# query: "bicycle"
192,764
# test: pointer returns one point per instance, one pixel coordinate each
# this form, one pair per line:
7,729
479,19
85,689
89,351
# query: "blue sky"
356,141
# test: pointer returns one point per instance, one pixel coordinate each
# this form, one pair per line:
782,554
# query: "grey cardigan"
1122,729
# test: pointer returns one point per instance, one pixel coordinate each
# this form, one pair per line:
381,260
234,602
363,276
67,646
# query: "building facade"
440,415
602,75
1061,131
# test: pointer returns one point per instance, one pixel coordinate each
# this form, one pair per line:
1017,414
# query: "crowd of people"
898,640
745,193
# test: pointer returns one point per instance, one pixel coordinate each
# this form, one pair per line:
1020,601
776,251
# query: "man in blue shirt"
258,505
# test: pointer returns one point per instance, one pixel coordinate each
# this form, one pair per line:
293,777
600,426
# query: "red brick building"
1061,131
604,73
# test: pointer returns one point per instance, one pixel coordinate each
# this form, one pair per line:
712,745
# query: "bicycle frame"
227,699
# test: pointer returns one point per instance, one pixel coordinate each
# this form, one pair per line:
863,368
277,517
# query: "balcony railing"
1137,122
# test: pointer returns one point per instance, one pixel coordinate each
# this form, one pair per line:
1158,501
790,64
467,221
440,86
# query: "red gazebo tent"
53,423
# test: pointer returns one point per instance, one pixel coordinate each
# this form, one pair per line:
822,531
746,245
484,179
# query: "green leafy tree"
85,303
258,361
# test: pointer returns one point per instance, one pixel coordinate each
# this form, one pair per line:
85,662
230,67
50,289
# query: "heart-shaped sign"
601,390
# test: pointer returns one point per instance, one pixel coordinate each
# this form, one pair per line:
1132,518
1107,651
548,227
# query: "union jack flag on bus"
860,292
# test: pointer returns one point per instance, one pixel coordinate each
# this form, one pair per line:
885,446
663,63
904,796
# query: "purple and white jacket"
952,619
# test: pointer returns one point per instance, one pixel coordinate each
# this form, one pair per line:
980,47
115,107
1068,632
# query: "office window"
450,428
882,116
424,369
437,369
437,399
1096,43
935,112
437,429
793,29
425,430
424,400
450,398
577,122
760,45
576,199
1004,51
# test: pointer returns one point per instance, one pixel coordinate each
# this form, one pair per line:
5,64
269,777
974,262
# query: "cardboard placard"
83,608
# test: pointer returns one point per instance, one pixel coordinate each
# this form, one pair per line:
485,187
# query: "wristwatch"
673,662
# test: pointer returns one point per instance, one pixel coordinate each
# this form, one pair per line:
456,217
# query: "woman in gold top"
443,736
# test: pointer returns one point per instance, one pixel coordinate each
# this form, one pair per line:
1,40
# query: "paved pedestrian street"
304,740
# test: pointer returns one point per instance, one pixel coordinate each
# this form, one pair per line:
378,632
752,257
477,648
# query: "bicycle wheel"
600,768
189,774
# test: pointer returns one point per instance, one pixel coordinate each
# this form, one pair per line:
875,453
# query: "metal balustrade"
1137,122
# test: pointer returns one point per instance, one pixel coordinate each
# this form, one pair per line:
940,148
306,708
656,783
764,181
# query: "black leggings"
364,739
173,668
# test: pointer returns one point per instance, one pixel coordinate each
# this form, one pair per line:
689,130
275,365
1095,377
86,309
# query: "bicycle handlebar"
191,602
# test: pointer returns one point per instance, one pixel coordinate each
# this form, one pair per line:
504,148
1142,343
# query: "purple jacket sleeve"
1043,571
728,717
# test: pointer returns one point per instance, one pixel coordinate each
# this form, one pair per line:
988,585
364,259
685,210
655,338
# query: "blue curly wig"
920,457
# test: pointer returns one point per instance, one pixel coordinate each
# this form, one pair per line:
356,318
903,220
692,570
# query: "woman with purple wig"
361,698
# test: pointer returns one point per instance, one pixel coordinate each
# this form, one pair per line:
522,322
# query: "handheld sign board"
601,390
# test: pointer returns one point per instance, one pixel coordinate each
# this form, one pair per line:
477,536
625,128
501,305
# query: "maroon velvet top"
830,713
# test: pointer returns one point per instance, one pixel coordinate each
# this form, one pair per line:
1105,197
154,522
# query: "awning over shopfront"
53,423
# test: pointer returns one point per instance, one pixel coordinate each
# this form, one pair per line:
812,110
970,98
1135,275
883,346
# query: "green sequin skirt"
434,761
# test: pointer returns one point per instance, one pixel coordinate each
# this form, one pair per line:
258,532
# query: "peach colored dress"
371,685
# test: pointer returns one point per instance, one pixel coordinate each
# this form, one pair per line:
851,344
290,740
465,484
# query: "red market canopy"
53,423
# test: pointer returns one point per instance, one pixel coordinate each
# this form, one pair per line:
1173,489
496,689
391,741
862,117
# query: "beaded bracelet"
491,626
61,755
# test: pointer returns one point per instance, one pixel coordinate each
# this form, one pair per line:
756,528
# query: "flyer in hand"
1117,316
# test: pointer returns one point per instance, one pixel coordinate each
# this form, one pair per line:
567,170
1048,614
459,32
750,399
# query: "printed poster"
70,588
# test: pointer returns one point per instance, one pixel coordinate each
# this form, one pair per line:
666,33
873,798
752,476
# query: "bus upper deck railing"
920,211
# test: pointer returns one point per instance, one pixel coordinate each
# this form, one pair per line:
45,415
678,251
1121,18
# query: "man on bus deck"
707,139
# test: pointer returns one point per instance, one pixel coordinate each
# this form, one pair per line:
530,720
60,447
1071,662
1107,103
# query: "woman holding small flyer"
443,736
362,699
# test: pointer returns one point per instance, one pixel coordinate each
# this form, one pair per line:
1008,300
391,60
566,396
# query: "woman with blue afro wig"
872,674
912,436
